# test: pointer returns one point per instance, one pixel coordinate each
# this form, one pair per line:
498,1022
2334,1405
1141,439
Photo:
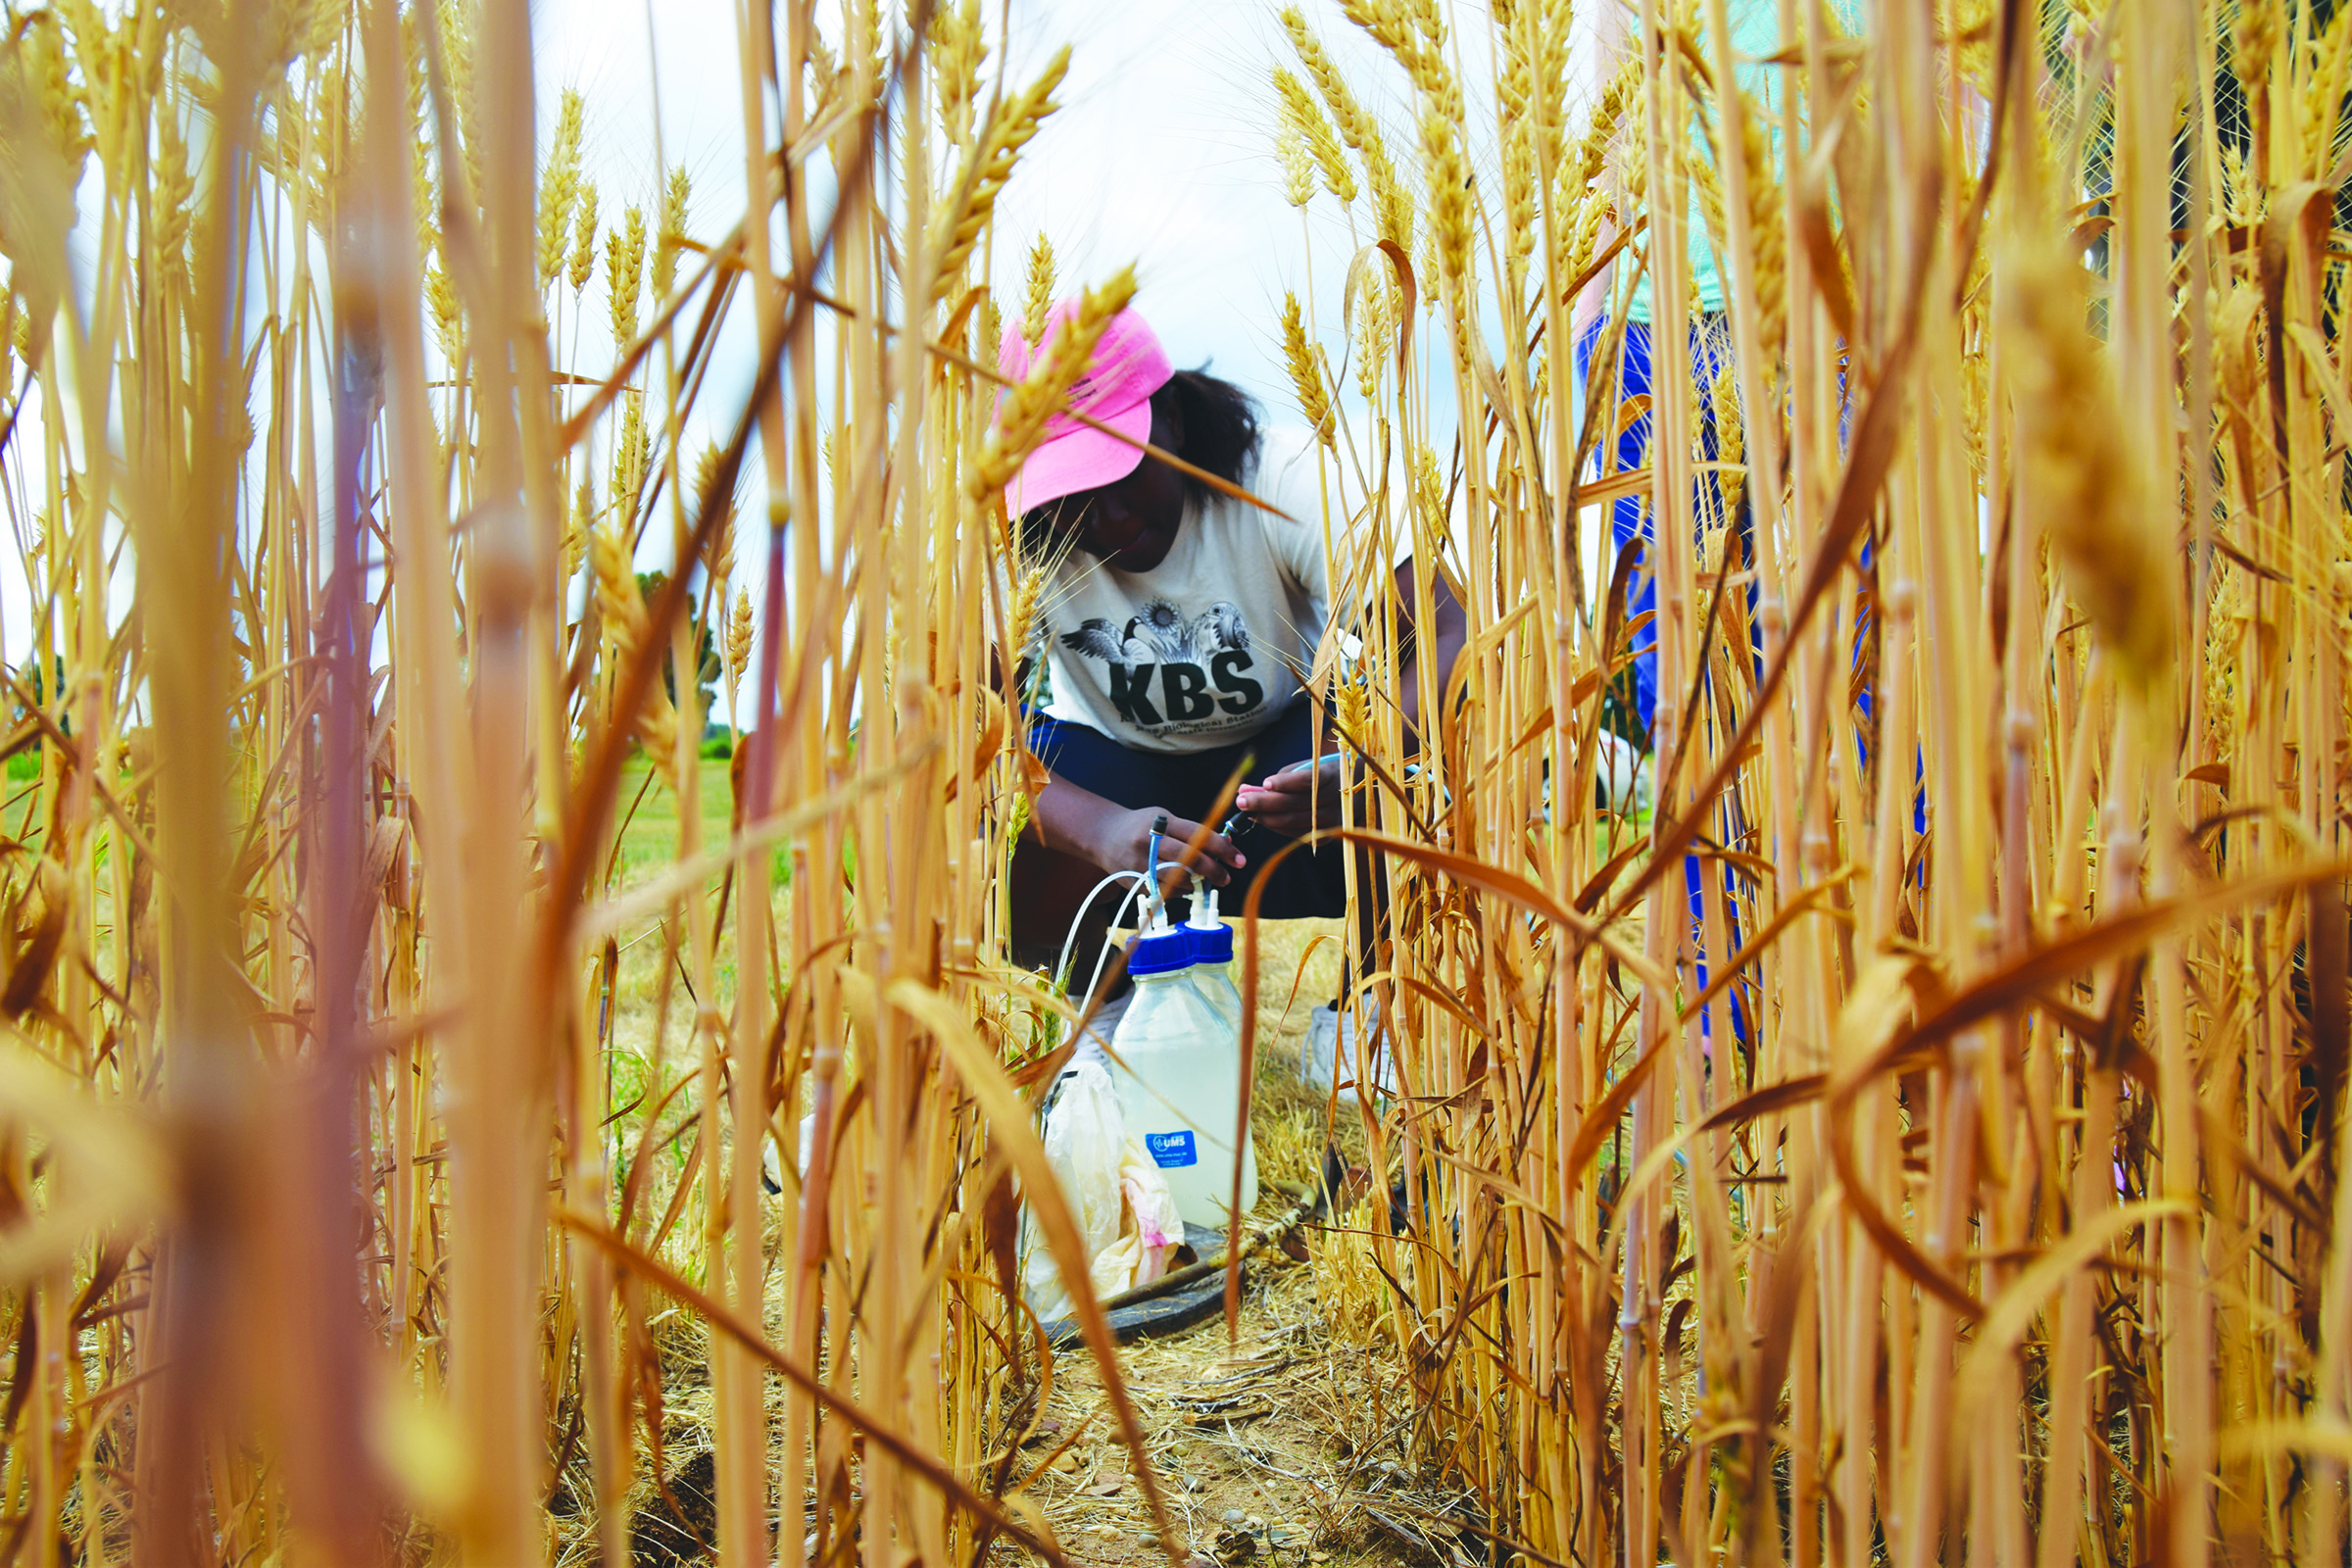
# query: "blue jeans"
1187,784
1630,528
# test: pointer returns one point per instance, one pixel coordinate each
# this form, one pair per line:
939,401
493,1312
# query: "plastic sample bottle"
1179,1079
1213,961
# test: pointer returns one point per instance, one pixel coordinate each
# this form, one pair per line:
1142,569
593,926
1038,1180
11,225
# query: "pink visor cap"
1116,388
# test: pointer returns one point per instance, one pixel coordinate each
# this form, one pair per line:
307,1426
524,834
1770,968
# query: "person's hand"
1125,845
1302,796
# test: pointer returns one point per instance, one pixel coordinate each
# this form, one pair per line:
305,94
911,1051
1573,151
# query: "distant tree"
43,692
1620,713
706,673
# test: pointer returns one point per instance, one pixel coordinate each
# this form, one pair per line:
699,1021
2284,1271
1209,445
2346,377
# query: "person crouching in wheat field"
1173,621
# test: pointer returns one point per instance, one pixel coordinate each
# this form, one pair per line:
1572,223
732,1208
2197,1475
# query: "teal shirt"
1756,27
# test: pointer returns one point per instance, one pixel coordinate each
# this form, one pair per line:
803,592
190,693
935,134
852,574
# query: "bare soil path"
1280,1448
1286,1445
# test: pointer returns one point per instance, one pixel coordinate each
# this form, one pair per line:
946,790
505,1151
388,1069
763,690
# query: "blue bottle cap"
1164,954
1211,944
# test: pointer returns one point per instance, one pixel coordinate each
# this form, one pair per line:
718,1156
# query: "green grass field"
648,818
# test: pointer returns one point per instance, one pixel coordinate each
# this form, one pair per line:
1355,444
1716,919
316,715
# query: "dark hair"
1220,435
1220,429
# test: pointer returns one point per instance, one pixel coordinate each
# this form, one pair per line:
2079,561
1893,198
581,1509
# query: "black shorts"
1312,883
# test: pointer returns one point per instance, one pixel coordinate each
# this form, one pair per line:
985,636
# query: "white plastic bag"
1158,1229
1125,1217
1620,774
1331,1048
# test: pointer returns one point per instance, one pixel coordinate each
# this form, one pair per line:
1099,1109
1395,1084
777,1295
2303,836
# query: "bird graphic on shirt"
1221,627
1161,634
1164,625
1095,639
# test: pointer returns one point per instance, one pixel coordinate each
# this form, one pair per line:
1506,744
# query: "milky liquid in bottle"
1179,1079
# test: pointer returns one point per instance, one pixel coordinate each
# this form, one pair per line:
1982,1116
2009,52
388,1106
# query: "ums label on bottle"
1170,1150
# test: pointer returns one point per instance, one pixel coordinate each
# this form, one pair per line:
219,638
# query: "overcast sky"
1162,155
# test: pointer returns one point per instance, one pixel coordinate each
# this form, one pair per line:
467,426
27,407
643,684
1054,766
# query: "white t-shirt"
1207,648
